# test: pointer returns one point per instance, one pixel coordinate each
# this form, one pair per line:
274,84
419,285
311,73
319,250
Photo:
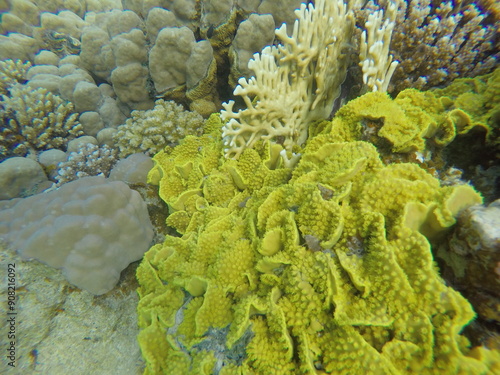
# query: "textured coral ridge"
326,268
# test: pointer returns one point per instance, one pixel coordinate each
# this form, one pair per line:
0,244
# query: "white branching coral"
87,160
150,131
294,83
375,61
35,119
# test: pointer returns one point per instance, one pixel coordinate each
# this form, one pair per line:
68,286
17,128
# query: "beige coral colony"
250,187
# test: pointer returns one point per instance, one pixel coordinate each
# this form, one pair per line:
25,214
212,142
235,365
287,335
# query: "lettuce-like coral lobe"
326,268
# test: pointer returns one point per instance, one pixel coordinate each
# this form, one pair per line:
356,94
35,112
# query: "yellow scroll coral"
323,269
475,102
414,121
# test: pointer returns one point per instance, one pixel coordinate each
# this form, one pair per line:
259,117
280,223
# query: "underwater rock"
61,327
474,258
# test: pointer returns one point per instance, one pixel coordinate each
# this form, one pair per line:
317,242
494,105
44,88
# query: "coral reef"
479,97
35,120
302,270
414,122
475,103
259,30
451,132
303,230
124,43
132,170
150,131
192,66
114,49
98,104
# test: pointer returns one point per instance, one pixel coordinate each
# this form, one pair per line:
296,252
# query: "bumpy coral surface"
178,50
88,160
91,228
480,98
149,131
326,268
438,41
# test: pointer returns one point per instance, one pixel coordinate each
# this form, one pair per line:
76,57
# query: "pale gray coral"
133,169
24,16
90,228
106,136
252,36
91,122
282,11
96,54
49,160
88,160
150,131
35,120
185,52
185,11
59,33
114,48
21,17
17,46
45,57
216,12
130,77
157,19
66,78
21,177
76,143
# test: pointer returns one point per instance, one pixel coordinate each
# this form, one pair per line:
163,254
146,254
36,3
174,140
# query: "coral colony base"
301,225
